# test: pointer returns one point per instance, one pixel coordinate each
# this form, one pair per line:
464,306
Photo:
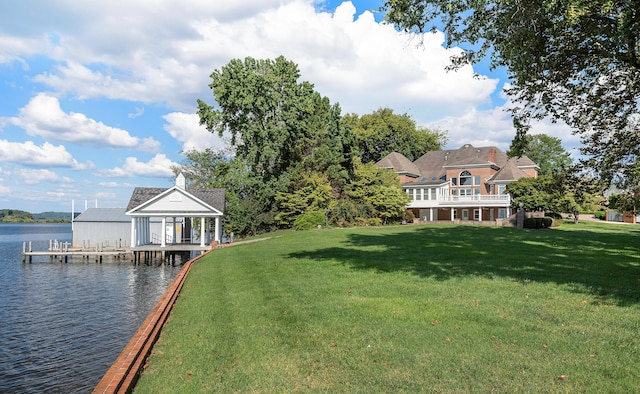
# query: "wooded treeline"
294,160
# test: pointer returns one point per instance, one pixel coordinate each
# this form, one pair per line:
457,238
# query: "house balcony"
475,201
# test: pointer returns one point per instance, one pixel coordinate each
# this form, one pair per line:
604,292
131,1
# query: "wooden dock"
62,252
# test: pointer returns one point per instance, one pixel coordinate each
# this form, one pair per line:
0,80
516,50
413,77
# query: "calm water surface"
63,324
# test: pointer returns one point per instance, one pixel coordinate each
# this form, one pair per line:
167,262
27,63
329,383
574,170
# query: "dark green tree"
383,132
378,191
547,152
562,192
248,209
272,118
281,129
571,60
626,202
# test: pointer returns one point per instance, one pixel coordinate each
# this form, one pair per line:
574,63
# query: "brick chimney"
492,155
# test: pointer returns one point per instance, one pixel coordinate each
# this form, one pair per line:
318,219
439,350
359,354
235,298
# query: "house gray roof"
509,172
399,163
213,197
103,215
432,165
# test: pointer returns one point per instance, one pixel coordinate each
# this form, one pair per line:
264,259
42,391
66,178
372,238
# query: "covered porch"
176,216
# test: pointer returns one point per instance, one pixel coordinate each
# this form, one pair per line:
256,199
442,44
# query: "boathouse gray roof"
213,197
103,215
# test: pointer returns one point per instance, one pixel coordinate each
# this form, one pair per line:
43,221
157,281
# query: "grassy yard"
430,308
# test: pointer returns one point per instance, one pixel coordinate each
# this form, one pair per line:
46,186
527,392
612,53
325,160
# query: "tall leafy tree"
248,208
280,128
556,192
311,193
547,152
572,60
626,202
378,190
383,132
272,118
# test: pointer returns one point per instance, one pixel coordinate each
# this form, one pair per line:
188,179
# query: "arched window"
466,179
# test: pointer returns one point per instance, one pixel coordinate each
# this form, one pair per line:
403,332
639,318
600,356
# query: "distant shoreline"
51,221
19,216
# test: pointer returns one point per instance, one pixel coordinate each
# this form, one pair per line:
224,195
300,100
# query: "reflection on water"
63,324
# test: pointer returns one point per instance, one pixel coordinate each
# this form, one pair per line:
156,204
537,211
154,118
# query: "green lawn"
430,308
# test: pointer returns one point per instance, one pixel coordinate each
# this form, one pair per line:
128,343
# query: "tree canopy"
293,156
557,192
571,60
547,152
383,132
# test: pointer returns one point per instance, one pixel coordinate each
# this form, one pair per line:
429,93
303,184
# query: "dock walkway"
62,251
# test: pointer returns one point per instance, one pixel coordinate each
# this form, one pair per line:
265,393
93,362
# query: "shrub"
537,223
309,220
602,215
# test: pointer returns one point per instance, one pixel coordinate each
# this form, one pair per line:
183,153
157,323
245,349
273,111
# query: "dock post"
24,250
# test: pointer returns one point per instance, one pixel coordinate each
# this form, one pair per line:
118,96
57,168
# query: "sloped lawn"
431,308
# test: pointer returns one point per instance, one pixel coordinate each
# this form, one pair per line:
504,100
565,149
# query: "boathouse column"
173,227
163,241
452,212
133,231
480,214
431,214
202,226
216,235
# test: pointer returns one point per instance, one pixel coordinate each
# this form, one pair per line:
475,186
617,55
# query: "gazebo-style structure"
169,205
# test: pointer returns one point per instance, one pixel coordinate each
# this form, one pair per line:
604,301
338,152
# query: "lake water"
62,325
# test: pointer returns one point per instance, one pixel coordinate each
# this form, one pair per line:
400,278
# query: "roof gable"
510,172
176,200
399,163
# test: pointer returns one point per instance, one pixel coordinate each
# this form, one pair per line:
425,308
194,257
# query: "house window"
502,213
432,194
501,189
410,193
476,214
466,179
476,180
454,181
418,194
476,191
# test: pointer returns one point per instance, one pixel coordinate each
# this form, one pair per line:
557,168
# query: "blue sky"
99,97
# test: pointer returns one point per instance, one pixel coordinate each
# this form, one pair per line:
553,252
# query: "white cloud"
350,58
158,167
116,184
494,127
139,112
35,176
46,155
6,191
186,129
106,195
43,117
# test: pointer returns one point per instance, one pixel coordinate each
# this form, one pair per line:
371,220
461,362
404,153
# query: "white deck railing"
472,201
